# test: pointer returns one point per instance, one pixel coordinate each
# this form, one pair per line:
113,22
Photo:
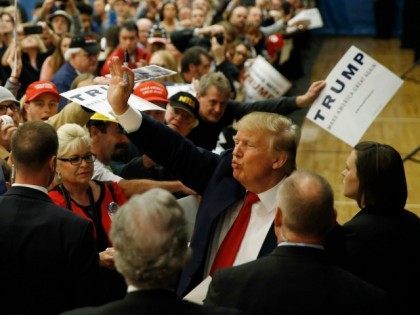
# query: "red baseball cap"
152,91
37,88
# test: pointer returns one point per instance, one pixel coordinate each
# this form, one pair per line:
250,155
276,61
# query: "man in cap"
128,37
60,22
155,93
157,38
41,103
80,57
8,106
110,142
182,113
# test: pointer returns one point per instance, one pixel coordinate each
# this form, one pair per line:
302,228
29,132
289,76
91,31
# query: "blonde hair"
284,135
70,138
169,63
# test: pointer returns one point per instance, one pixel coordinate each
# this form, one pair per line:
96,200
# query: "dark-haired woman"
383,239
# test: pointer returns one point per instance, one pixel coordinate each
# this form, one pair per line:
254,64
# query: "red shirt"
138,55
110,192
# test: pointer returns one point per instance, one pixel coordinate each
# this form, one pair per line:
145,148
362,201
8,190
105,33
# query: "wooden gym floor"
397,125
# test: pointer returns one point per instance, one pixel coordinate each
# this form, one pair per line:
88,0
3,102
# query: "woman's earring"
58,176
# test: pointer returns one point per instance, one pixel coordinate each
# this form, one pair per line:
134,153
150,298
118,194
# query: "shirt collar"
268,198
301,245
132,288
40,188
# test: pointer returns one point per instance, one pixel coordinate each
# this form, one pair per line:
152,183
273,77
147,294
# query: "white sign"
311,15
173,89
262,81
149,72
94,97
357,89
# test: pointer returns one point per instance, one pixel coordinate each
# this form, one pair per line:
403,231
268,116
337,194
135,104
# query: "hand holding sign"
357,89
311,95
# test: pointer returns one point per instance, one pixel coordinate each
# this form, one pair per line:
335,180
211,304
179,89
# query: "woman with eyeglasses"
93,200
382,241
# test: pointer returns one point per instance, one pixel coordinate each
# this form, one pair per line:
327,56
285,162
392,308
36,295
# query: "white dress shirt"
103,173
261,220
262,212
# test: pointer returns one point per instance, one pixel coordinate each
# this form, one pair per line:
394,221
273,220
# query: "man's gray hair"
216,79
70,52
307,203
150,237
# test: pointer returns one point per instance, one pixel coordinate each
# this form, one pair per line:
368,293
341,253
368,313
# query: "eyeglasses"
77,160
12,106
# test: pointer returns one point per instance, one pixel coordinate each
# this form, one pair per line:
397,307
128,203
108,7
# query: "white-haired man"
150,240
81,57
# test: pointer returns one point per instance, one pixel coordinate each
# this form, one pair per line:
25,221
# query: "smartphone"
5,3
220,38
32,29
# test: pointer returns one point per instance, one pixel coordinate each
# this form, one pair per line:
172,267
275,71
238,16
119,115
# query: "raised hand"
120,86
14,61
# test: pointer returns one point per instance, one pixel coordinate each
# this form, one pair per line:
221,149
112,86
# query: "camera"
6,120
32,29
5,3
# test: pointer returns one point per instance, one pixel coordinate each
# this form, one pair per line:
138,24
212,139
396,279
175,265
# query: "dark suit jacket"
294,280
150,302
48,261
209,174
384,249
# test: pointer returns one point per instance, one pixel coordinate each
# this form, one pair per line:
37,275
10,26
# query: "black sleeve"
181,39
192,165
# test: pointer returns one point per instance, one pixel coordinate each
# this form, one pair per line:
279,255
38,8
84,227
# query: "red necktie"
230,246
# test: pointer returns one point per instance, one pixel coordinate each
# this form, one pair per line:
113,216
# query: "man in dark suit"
48,262
297,278
264,154
150,240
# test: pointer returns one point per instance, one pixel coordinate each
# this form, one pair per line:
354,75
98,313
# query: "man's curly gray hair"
150,237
